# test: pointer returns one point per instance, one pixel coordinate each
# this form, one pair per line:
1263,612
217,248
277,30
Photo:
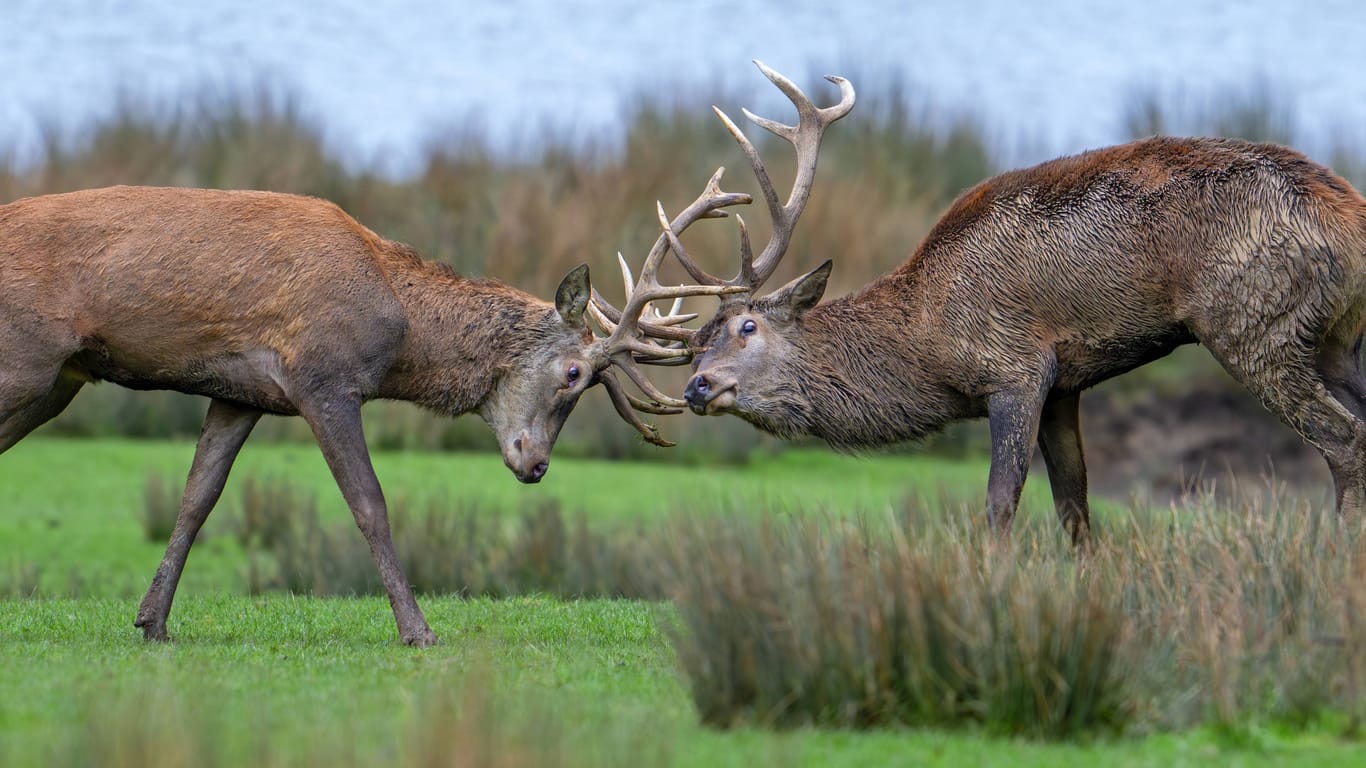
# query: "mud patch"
1165,445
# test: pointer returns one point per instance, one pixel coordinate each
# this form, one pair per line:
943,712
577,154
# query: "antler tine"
712,191
747,275
638,333
627,281
805,137
708,205
626,407
624,342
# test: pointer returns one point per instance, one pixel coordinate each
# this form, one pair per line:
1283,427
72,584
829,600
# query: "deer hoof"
154,633
422,639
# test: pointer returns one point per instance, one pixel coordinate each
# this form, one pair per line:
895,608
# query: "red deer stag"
279,304
1039,283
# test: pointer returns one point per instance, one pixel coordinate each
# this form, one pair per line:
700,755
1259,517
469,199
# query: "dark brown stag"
1039,283
279,304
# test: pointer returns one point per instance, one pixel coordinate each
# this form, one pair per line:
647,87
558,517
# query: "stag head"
564,357
742,355
639,334
559,359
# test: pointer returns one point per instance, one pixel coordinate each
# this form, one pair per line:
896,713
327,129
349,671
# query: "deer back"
152,284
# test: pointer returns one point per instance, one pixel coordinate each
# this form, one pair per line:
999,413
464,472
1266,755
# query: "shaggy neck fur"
463,334
858,375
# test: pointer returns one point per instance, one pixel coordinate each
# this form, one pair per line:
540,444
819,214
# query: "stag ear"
571,298
794,299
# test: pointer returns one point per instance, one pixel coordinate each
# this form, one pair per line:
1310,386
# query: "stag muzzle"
708,394
526,461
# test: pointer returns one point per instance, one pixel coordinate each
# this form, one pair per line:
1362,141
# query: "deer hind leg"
1339,364
23,419
1061,446
34,386
226,427
1287,381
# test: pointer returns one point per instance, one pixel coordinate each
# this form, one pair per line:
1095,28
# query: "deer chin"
722,402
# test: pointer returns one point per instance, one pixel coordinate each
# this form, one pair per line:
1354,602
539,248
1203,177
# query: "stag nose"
525,460
697,390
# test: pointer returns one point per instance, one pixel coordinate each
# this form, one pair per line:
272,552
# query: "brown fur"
1039,283
271,303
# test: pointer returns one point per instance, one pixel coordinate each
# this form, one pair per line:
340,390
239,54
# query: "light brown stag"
1040,283
280,304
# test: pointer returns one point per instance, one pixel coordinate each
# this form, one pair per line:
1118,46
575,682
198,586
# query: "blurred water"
383,74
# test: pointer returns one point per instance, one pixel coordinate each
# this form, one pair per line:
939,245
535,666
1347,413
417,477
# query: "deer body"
1039,283
271,303
255,298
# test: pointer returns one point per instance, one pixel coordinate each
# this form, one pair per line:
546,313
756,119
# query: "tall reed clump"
160,507
1212,615
1240,614
446,547
822,621
1220,612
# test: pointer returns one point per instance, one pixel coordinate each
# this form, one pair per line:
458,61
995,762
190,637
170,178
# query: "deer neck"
463,334
865,366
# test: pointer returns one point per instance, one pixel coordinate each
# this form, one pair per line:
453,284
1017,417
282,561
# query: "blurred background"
518,139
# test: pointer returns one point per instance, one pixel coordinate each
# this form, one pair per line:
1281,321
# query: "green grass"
72,505
322,680
281,680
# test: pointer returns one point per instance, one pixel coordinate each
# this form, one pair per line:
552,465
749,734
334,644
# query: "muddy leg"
226,427
1340,369
1060,443
1293,389
1014,421
336,423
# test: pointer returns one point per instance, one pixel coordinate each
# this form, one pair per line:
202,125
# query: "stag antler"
638,333
805,136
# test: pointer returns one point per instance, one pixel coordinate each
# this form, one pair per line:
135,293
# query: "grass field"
322,682
73,506
280,680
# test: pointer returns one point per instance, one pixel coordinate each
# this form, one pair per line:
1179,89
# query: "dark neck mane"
860,379
463,334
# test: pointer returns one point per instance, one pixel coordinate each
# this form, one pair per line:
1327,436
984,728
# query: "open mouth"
720,402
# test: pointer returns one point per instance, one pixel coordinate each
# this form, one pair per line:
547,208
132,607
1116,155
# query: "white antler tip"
627,279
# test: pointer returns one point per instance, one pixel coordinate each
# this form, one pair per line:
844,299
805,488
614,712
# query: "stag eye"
572,375
748,327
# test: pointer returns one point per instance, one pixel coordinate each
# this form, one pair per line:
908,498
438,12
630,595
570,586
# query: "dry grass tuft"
1213,612
1209,614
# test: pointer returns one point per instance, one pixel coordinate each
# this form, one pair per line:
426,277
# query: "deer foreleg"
226,427
337,425
1014,421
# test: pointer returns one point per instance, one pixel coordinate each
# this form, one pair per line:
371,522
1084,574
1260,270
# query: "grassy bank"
825,610
73,522
287,681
